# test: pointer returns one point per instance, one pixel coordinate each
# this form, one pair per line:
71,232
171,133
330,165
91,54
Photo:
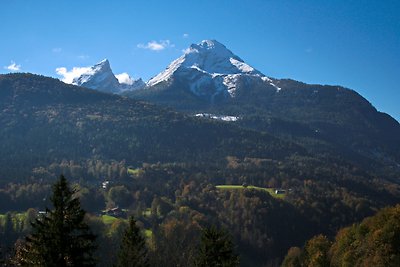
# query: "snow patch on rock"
217,117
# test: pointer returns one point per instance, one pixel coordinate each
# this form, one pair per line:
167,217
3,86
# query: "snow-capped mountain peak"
96,75
209,64
102,65
100,77
213,57
210,47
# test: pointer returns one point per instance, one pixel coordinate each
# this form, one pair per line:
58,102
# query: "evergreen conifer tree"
133,251
216,249
9,235
60,237
2,260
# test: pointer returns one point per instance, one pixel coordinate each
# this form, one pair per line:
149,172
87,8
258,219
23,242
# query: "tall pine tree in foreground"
216,249
2,260
133,251
60,237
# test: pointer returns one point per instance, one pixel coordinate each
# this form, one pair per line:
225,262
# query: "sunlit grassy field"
271,191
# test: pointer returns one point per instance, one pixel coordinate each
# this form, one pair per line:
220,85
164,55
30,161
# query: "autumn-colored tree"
316,252
374,242
293,258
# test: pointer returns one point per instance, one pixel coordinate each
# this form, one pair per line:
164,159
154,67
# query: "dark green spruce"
2,260
60,237
216,249
133,251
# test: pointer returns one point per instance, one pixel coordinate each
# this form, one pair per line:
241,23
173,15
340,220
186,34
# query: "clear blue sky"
351,43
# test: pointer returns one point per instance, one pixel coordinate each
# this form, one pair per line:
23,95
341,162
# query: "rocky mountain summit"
210,70
100,77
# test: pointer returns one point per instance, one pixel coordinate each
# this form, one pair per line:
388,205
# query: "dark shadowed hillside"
45,121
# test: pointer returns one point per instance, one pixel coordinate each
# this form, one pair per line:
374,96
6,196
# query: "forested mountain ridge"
45,120
335,119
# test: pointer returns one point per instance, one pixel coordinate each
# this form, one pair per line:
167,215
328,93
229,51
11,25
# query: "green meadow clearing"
271,191
107,219
134,172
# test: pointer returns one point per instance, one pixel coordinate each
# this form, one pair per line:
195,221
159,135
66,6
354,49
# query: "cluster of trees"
182,198
373,242
22,196
62,237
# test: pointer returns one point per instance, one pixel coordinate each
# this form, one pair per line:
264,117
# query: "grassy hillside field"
271,191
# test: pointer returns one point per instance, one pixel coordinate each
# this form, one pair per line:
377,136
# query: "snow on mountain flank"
210,64
217,117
